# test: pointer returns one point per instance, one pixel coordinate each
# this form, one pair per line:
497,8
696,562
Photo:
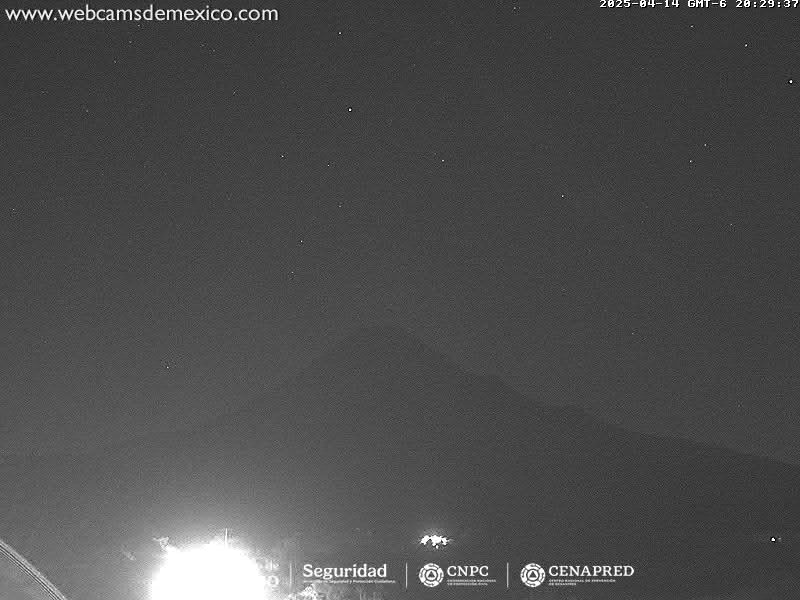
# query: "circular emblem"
431,575
532,575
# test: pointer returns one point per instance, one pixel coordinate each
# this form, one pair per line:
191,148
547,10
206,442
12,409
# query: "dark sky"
598,205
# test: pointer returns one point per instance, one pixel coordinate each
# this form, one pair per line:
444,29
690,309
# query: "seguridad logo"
356,571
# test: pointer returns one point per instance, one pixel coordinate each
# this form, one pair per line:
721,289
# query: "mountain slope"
383,432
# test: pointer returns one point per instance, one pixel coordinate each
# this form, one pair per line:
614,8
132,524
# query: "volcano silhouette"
383,433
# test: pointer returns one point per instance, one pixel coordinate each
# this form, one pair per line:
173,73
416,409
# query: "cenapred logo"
532,575
431,575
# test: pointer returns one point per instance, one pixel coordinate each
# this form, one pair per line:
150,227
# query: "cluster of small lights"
434,540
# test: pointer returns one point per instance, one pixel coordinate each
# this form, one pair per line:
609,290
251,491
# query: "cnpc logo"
431,574
467,571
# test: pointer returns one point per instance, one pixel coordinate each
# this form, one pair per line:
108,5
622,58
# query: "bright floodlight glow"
214,571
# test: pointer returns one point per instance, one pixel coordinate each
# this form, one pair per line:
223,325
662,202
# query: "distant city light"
214,571
434,540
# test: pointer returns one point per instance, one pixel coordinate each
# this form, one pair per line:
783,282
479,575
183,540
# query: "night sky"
599,206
